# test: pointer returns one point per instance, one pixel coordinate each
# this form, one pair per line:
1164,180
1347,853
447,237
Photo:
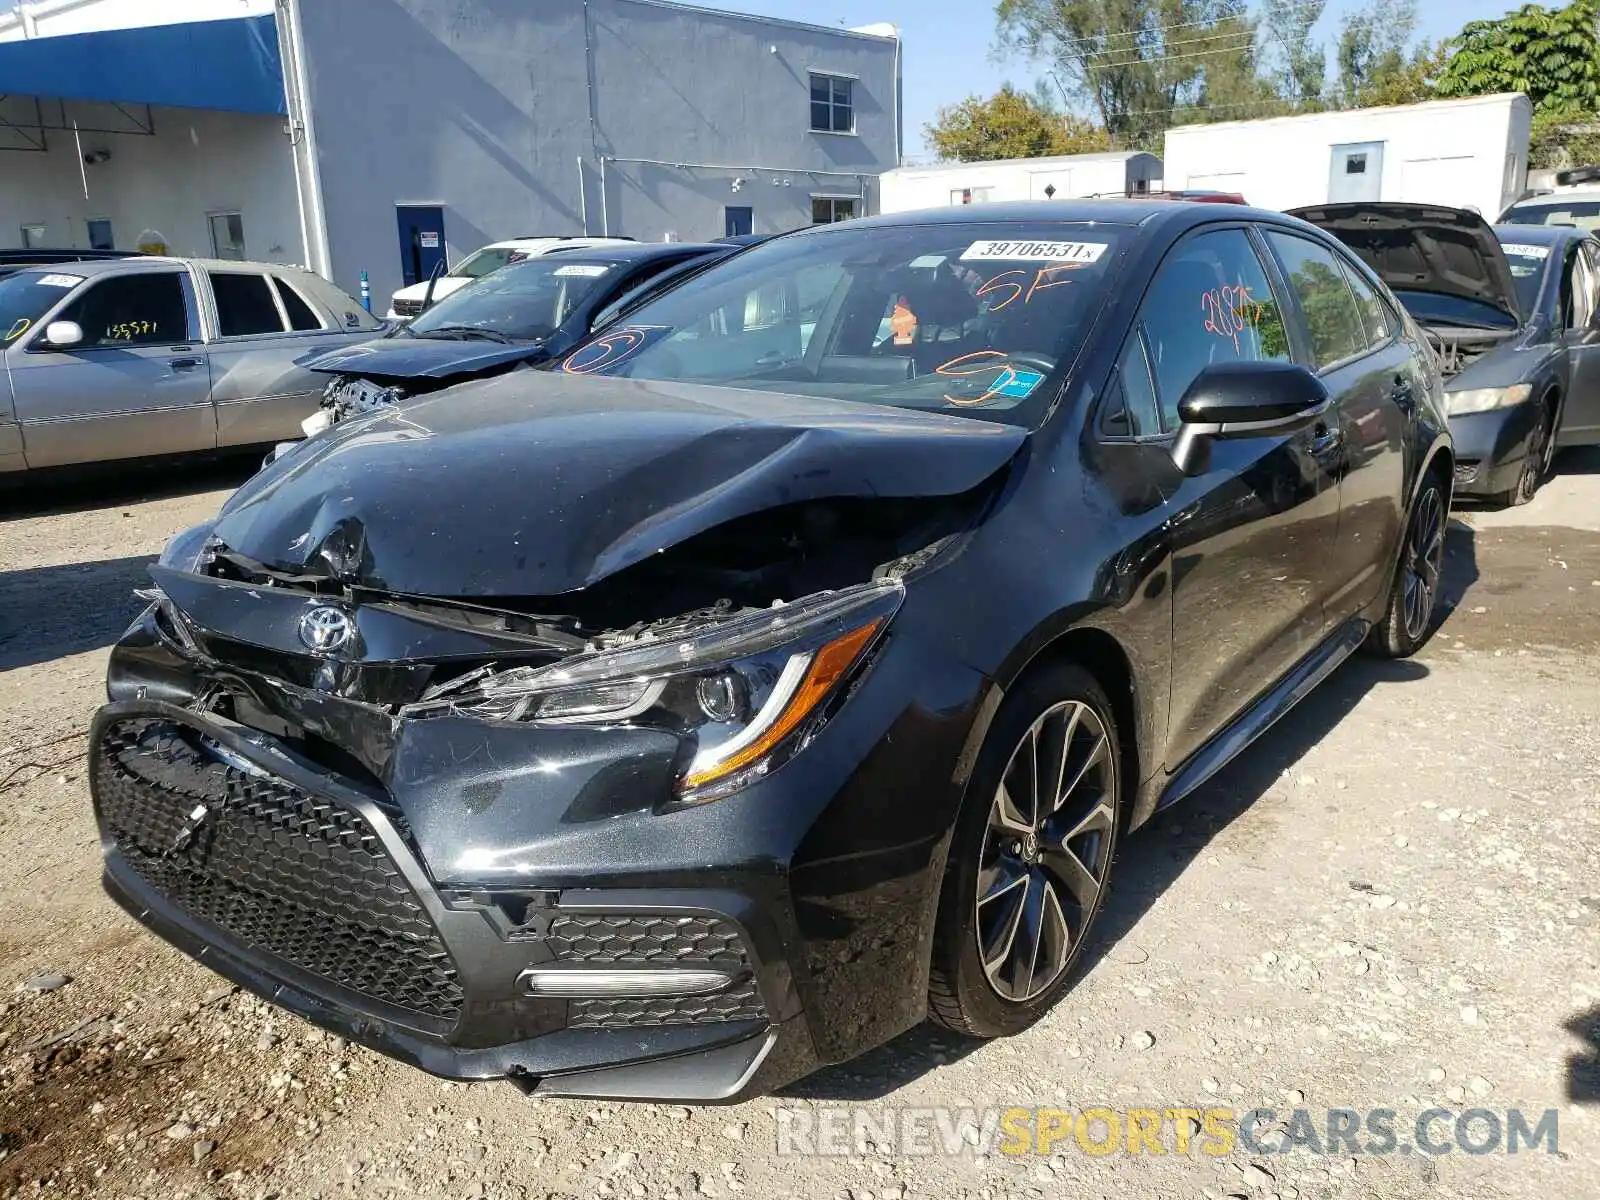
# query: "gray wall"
486,106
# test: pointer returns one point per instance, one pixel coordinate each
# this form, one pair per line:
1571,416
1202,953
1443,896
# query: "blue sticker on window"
1017,384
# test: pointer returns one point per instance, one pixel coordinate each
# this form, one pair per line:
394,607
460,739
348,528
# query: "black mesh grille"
406,308
743,1003
274,868
643,937
639,938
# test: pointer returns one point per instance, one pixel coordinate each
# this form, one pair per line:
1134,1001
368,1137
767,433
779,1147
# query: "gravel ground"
1391,902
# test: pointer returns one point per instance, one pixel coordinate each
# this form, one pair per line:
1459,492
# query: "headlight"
750,691
1477,400
189,550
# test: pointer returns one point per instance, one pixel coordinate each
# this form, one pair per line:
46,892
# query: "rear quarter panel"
261,391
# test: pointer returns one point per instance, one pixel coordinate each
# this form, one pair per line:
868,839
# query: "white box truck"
1460,153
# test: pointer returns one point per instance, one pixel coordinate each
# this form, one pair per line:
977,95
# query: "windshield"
965,317
1527,269
487,261
27,296
1585,214
526,302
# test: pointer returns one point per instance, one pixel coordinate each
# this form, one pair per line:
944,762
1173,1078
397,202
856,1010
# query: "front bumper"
818,884
1490,448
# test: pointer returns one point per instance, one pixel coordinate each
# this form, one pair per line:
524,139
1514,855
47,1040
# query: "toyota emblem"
326,630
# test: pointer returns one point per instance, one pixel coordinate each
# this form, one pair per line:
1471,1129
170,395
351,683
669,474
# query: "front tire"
1536,462
1408,619
1030,857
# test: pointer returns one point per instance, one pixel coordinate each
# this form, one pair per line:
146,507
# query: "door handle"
183,364
1325,438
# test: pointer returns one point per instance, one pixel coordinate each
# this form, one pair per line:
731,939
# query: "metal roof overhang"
231,65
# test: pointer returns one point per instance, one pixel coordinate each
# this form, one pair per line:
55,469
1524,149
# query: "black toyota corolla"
784,669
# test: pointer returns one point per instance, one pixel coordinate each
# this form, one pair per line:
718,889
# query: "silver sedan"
141,357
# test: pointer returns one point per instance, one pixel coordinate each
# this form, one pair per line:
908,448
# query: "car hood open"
420,358
534,484
1424,248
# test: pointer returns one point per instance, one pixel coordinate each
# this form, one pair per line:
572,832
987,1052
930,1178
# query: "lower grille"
274,868
407,308
740,1004
656,940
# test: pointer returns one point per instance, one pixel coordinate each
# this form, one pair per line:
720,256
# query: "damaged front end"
527,836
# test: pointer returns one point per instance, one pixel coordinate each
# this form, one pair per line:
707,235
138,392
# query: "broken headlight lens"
189,550
749,691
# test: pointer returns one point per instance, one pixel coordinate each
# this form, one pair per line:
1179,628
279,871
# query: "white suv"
407,302
1575,200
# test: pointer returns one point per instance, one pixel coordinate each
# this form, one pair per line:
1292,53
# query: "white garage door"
1437,181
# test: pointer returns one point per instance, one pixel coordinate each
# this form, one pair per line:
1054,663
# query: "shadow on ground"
50,493
1151,860
52,612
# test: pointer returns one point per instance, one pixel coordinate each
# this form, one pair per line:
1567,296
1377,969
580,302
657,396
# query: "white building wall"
1451,152
908,188
198,162
53,18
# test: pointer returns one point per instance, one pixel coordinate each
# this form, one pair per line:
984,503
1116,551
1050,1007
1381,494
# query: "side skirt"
1260,716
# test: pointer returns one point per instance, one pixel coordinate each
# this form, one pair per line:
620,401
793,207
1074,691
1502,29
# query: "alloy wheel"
1536,463
1424,561
1046,851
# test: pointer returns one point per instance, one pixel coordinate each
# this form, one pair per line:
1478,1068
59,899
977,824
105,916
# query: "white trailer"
1461,153
1059,177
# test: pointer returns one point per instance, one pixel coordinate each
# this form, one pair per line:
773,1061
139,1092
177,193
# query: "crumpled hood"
405,357
534,484
1424,248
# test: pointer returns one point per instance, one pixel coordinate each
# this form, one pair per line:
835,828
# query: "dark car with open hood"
1512,312
785,667
525,314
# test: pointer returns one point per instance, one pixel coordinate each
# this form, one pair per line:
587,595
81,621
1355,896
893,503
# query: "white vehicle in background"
409,301
1575,200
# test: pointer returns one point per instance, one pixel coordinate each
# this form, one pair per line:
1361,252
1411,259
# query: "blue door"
421,241
736,222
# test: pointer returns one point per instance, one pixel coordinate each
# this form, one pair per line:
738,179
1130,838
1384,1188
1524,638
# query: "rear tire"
1027,873
1408,619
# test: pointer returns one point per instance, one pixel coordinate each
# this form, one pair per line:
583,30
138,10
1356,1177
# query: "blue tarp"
231,65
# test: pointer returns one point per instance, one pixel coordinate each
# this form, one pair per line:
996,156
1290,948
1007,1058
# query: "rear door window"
1334,322
144,309
1375,315
301,315
245,306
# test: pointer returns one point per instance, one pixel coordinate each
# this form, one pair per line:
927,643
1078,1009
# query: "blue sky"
947,42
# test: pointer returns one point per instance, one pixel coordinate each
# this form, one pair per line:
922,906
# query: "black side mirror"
1243,400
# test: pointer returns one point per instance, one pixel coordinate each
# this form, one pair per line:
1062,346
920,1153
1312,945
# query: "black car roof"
1538,235
637,252
1107,212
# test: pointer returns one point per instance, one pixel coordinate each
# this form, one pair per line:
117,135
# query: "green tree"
1551,54
1010,124
1131,63
1371,52
1300,74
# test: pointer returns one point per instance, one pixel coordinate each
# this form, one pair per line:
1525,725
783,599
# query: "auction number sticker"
1516,251
586,270
1073,252
59,281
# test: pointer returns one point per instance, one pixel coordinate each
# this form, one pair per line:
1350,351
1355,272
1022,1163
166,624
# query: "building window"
971,195
100,237
825,210
833,108
32,237
227,236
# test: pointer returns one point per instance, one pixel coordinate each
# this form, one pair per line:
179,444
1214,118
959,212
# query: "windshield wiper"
467,331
